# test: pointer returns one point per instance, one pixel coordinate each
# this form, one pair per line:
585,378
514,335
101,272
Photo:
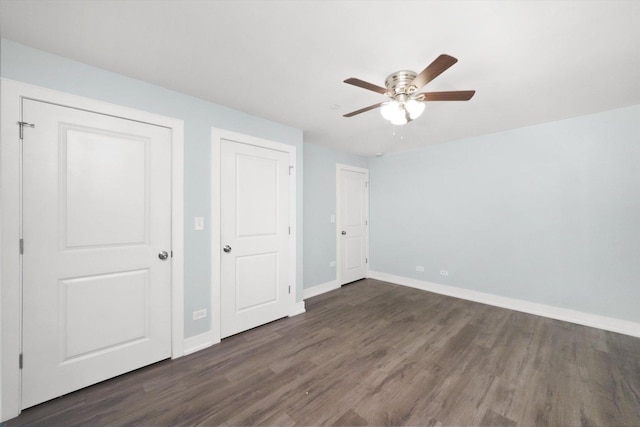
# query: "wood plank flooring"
373,353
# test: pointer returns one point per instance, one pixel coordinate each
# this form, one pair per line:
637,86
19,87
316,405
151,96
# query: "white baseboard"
299,308
198,342
320,289
581,318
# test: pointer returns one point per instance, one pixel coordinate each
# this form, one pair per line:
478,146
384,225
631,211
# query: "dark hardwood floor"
373,353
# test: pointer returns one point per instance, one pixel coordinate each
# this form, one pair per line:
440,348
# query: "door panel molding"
12,94
217,135
340,226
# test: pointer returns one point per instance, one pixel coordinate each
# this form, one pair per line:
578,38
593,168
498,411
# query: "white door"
254,236
96,215
353,212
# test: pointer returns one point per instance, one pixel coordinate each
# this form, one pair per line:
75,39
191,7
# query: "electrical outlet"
200,314
444,272
419,268
332,264
332,219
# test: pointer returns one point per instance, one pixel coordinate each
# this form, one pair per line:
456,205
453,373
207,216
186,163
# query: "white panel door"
254,236
96,215
352,224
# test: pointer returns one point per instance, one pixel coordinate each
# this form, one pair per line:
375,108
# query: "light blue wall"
319,205
19,62
547,213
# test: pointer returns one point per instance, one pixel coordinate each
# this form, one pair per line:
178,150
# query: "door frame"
341,167
11,223
217,135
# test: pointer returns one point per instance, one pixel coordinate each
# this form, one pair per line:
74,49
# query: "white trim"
298,308
10,285
216,136
581,318
177,237
216,307
320,289
340,167
198,342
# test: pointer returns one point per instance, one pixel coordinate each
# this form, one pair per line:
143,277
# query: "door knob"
227,249
163,255
344,233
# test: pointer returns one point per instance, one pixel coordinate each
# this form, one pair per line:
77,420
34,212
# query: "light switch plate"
198,223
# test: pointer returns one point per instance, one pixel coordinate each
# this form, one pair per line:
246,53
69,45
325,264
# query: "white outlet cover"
332,219
199,314
332,264
444,272
419,268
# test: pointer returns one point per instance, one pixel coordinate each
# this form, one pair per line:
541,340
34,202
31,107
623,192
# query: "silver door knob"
227,249
344,233
163,255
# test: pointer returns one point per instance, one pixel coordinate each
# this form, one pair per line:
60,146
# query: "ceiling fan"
405,104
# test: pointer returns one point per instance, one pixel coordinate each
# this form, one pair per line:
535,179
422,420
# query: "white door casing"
11,327
253,212
352,226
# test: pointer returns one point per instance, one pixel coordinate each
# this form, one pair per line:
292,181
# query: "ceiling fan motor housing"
399,81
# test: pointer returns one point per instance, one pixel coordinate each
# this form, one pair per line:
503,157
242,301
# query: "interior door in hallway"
353,223
254,236
97,243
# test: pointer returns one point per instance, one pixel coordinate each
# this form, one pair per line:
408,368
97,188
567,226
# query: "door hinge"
21,246
289,229
366,184
289,289
20,361
366,222
171,254
22,125
290,169
366,260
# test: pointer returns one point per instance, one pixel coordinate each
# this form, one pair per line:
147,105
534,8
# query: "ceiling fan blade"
432,71
365,85
362,110
456,95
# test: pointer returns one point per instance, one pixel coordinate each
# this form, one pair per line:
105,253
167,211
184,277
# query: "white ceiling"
529,61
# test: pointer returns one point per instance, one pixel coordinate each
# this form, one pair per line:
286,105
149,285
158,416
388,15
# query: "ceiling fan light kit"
401,110
405,104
